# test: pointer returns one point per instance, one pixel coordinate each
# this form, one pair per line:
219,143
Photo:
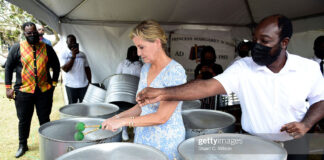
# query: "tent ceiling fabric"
293,9
166,11
203,12
61,7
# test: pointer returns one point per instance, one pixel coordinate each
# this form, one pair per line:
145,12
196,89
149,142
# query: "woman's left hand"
112,124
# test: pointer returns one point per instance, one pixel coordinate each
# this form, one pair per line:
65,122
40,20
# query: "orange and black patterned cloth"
32,64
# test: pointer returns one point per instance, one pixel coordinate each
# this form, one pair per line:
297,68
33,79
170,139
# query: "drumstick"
79,136
81,126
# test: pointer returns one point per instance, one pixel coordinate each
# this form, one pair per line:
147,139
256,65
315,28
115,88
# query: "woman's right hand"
112,124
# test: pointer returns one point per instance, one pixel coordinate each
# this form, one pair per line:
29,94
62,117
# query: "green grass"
9,127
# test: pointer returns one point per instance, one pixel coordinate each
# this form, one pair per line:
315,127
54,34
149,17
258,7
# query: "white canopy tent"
102,26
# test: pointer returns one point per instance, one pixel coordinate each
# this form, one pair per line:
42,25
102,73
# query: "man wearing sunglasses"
34,85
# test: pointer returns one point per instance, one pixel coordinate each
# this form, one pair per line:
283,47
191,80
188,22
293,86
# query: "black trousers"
25,103
75,94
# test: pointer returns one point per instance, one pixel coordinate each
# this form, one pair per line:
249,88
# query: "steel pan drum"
202,121
230,147
91,110
115,151
195,104
57,137
121,88
94,94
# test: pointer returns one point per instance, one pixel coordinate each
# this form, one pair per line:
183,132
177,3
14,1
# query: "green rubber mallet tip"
80,126
78,136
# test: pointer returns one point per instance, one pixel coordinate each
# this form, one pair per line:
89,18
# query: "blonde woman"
160,124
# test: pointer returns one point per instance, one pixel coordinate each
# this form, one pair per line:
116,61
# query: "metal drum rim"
113,144
205,110
230,134
42,127
66,106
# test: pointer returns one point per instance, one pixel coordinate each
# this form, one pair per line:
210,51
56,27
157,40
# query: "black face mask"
261,54
32,39
319,53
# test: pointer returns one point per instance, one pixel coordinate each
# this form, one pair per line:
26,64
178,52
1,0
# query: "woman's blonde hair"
150,30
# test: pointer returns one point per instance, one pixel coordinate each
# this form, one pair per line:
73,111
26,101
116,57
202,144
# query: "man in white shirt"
77,73
272,86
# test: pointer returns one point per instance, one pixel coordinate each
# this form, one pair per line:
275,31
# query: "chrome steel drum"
202,121
195,104
57,137
115,151
228,146
94,94
91,110
121,88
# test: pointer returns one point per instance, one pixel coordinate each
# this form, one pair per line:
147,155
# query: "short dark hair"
205,50
284,24
70,36
318,41
132,54
242,43
27,24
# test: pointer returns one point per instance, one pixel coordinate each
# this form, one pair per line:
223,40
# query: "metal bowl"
57,137
115,151
202,121
230,147
91,110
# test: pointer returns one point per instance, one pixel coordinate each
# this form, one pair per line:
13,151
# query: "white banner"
186,49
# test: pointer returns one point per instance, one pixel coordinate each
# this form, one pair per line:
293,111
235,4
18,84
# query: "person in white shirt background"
319,52
77,73
132,66
272,86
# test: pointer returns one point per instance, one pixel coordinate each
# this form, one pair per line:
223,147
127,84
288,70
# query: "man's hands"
295,129
149,95
10,93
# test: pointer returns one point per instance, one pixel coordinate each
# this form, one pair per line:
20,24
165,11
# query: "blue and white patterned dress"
165,137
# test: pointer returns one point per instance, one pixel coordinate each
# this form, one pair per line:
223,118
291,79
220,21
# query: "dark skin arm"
10,65
88,73
68,66
192,90
312,116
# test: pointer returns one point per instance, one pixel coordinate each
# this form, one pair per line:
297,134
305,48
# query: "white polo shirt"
127,67
76,77
270,100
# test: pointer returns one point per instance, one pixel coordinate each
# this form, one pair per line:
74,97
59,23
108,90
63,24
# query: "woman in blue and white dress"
158,125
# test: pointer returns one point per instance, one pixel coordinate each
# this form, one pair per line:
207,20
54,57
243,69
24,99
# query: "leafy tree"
11,19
